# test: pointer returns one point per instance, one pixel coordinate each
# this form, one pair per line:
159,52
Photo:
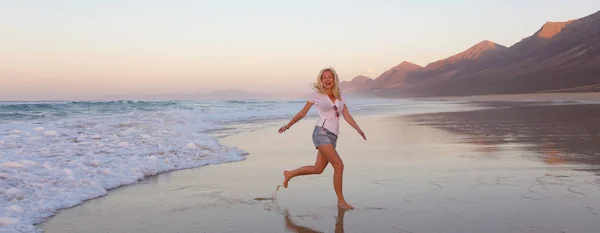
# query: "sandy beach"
578,96
509,168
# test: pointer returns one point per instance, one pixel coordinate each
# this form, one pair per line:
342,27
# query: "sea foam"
80,158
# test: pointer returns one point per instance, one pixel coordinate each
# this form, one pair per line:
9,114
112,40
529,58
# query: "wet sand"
512,168
580,96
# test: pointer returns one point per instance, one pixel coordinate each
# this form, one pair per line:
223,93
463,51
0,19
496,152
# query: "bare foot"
345,205
286,175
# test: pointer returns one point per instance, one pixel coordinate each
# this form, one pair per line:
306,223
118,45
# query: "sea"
58,154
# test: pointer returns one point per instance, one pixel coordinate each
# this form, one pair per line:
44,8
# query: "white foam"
15,208
14,194
191,145
51,133
63,163
6,221
5,176
12,165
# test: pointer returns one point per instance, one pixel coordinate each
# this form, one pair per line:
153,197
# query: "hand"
283,129
362,133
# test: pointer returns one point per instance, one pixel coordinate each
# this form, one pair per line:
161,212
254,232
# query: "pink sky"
81,49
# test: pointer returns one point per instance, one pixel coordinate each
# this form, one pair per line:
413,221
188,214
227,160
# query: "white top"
327,116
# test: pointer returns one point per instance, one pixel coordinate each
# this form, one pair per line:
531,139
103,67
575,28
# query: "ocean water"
56,155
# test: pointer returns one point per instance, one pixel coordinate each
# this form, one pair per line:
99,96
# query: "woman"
329,102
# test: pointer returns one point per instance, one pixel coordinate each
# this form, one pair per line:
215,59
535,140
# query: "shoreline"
217,134
223,134
233,190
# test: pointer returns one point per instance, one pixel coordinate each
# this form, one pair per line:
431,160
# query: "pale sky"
84,49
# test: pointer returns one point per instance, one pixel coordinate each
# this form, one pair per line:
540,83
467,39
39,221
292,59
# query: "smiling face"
328,79
327,82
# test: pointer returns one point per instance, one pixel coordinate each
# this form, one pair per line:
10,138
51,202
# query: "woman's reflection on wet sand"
293,227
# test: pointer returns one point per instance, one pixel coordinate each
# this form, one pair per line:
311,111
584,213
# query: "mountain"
478,56
393,77
356,83
550,29
481,51
560,56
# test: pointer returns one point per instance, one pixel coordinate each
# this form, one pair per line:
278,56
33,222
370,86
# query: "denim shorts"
322,136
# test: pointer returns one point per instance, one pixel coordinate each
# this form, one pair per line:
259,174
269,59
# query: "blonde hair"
321,88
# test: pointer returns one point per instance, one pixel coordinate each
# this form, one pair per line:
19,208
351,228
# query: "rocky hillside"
560,56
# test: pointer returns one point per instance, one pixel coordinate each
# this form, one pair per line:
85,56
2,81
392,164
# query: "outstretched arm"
301,114
352,122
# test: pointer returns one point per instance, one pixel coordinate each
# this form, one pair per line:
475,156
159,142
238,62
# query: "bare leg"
318,168
333,157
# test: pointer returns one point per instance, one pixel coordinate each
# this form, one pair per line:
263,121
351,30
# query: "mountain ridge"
558,56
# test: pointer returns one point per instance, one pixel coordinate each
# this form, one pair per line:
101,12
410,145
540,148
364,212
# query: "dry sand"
501,170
